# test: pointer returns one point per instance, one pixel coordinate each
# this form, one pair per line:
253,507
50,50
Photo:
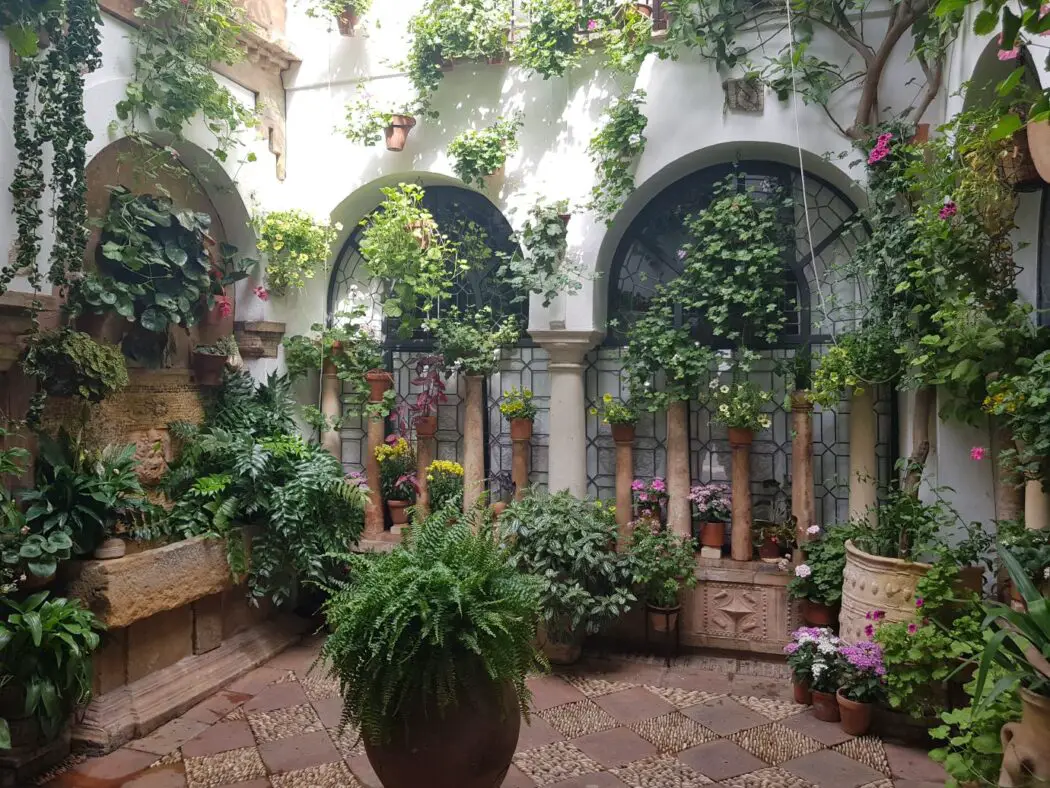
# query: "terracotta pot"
379,380
560,650
493,182
1017,166
426,426
769,551
1039,147
564,217
33,582
644,9
113,547
25,731
208,368
1026,758
855,717
922,134
399,511
663,619
213,316
498,508
801,692
397,132
622,433
872,582
521,429
740,436
470,745
825,706
713,534
817,614
347,21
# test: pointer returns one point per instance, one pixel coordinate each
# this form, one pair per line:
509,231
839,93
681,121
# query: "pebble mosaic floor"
619,723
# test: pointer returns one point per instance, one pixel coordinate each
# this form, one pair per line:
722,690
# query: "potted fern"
431,644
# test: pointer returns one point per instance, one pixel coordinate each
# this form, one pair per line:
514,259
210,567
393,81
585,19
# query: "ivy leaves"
540,265
480,153
614,149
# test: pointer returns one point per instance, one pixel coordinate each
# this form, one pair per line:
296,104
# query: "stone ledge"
124,590
137,709
258,339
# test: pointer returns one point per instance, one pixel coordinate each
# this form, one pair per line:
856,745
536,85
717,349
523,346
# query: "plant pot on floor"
114,547
854,717
379,380
208,368
470,745
563,647
397,132
1026,757
801,692
825,706
347,22
25,731
663,619
398,511
817,614
521,429
871,582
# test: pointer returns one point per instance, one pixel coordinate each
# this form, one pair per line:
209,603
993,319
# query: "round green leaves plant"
479,153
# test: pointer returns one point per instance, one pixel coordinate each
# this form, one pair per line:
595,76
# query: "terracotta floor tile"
537,733
298,752
172,776
170,736
254,682
830,769
298,658
634,705
277,696
827,733
913,764
616,747
548,691
720,759
220,737
329,710
724,716
363,771
760,686
217,706
516,779
119,763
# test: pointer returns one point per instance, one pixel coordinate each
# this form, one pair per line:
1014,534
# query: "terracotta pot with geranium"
712,508
397,477
861,685
773,539
650,497
817,583
814,660
663,565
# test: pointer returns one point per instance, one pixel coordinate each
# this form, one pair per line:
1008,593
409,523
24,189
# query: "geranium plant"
739,404
517,404
540,264
712,503
862,674
819,578
614,149
479,153
808,647
650,495
471,344
295,244
367,118
430,380
781,533
663,563
397,470
613,411
444,483
549,46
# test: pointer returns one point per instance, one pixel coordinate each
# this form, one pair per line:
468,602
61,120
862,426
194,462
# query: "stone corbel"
258,339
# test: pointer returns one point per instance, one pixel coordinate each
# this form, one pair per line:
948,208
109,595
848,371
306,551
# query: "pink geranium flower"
949,209
225,305
977,453
261,293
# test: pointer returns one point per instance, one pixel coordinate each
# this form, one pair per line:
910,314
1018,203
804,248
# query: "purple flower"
592,24
912,629
637,485
919,602
791,648
948,210
869,630
681,254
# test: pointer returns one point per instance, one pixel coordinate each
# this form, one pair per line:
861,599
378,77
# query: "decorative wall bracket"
258,339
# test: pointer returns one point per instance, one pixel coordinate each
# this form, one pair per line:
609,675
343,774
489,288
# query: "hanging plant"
368,121
478,154
614,150
539,265
175,47
471,344
295,245
344,12
404,249
71,364
549,46
626,36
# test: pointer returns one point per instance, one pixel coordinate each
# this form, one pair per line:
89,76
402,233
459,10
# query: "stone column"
567,451
740,443
331,409
520,466
426,448
678,509
803,502
623,434
1009,495
473,441
1036,505
863,466
374,523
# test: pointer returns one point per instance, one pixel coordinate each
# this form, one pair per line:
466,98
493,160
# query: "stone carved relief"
735,611
152,452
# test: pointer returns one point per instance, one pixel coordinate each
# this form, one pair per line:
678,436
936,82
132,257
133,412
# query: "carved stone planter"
258,339
870,582
1026,758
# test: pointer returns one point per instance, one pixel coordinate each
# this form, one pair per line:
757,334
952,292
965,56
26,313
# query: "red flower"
225,305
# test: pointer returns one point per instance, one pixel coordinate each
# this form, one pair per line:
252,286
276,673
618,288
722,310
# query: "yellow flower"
607,398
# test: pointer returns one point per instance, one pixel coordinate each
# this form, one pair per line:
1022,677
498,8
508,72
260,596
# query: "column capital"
566,348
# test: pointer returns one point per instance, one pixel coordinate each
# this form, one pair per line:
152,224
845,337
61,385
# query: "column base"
710,552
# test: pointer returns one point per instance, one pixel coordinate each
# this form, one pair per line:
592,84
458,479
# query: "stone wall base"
136,709
19,767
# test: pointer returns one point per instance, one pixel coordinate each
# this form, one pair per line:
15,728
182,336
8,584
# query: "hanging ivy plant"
471,344
479,153
540,264
295,245
175,47
549,46
614,150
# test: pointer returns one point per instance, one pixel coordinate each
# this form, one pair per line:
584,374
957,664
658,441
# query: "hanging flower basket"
1017,166
397,132
347,21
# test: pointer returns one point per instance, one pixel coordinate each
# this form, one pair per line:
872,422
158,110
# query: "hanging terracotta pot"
347,21
208,368
399,511
622,433
825,706
397,132
379,380
855,716
663,619
565,217
426,426
713,534
1017,166
520,429
800,691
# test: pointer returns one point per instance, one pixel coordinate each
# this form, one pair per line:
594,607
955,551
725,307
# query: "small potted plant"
431,382
347,13
738,406
713,504
818,581
663,564
449,716
861,685
397,477
620,416
479,156
800,653
650,497
517,408
445,484
824,672
367,124
209,361
773,539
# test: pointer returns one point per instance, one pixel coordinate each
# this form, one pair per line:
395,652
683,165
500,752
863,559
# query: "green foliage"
517,404
224,346
612,411
549,47
13,461
295,244
245,467
457,615
1030,547
366,120
175,46
445,484
71,364
479,153
570,546
614,150
397,470
471,343
911,529
626,36
539,264
858,360
662,563
739,404
45,655
334,8
403,248
825,557
1020,402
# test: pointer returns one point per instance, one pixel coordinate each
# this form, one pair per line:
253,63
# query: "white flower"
803,570
635,139
818,668
764,422
723,409
714,383
813,529
826,647
724,389
1046,573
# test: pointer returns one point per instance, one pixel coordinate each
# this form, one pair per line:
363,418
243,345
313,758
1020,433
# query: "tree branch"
934,79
